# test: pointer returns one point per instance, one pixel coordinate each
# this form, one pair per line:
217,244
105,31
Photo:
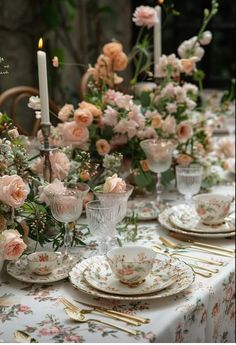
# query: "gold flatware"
173,245
70,305
210,262
203,274
184,239
23,337
81,318
211,270
118,313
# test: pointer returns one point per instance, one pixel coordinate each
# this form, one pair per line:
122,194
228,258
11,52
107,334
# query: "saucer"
20,271
184,273
101,277
186,218
164,220
143,209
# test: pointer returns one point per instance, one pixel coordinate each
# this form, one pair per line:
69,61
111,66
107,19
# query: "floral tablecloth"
205,312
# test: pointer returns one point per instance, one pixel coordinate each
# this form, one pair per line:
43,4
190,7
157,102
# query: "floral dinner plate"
20,271
184,279
164,220
187,219
143,209
101,277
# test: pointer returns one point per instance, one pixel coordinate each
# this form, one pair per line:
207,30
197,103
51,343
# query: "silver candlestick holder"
45,152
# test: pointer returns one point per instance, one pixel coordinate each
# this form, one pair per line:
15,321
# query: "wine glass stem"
188,199
67,239
158,190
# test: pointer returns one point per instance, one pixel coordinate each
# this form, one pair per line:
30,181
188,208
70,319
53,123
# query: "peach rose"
83,117
184,159
157,121
103,147
120,62
112,49
144,165
59,162
55,186
114,184
12,244
65,112
74,134
95,111
13,190
169,124
184,131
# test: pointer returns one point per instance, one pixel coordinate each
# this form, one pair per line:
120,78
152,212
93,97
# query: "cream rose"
73,134
12,244
13,190
184,131
114,184
184,159
65,112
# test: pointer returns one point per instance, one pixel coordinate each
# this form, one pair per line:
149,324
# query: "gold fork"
71,306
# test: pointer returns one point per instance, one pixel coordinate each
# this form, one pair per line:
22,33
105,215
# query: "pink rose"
73,134
126,126
13,190
55,186
184,131
12,244
123,101
110,96
226,147
83,117
169,125
65,112
145,16
103,147
184,159
114,184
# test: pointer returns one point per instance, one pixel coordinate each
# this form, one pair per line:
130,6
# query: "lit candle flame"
40,44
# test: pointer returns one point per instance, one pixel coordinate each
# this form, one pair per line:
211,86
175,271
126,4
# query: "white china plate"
143,209
184,272
101,277
166,223
187,219
20,271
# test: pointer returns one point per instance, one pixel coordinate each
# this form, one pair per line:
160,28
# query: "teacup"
212,208
42,263
131,264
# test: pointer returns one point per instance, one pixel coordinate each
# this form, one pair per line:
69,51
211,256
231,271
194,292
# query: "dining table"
203,312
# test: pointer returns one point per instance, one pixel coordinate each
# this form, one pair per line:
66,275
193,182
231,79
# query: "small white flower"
190,48
38,114
34,103
206,38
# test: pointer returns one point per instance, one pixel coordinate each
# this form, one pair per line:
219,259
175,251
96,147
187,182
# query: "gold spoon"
79,317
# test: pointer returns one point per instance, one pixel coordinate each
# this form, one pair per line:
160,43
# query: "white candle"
43,84
157,39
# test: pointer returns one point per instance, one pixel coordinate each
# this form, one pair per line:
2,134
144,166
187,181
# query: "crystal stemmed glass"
159,157
102,223
119,200
66,206
188,181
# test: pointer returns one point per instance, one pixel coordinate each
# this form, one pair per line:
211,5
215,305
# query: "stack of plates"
184,220
93,276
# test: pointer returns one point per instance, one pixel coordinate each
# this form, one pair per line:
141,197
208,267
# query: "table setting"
117,224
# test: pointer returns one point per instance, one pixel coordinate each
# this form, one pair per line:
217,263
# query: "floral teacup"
212,208
131,264
42,263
